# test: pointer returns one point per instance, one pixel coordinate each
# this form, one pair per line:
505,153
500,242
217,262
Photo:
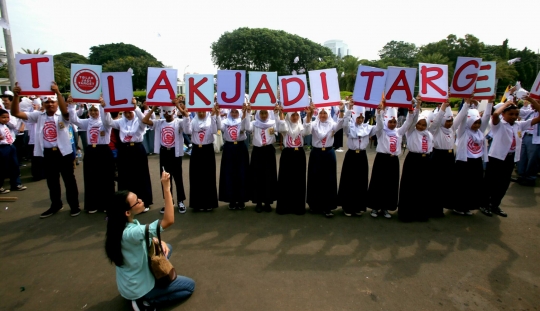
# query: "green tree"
262,49
62,76
28,51
138,64
399,53
102,54
68,58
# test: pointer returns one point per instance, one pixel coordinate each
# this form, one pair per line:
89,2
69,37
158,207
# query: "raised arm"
61,102
73,118
15,111
485,117
462,119
536,106
409,121
437,121
341,117
146,119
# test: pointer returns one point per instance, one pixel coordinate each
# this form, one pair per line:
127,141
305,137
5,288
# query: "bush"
345,93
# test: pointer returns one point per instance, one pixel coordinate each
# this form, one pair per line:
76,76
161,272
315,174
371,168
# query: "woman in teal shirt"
126,248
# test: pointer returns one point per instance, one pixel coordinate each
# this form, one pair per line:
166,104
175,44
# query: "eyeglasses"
135,203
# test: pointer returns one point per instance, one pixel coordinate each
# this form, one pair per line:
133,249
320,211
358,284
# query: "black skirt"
322,180
98,170
411,205
442,179
338,139
353,184
233,175
292,182
263,175
384,183
470,173
202,178
133,173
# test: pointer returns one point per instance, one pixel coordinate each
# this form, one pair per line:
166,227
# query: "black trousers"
173,166
37,169
497,179
55,164
9,166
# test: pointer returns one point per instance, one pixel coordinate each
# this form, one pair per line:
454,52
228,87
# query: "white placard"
117,90
399,89
485,83
293,92
85,83
324,87
465,74
262,90
231,86
161,86
35,73
199,92
535,90
369,86
433,82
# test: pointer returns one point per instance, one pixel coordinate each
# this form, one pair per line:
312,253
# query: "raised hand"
54,88
17,89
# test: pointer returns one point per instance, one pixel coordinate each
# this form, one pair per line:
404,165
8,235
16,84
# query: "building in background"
338,47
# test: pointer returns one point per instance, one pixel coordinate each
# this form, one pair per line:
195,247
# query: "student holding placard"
353,183
169,144
322,167
420,145
133,172
234,173
471,152
262,169
98,167
384,184
504,151
52,142
292,164
148,140
202,165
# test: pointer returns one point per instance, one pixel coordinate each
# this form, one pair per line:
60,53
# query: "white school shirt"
235,132
131,131
328,140
262,137
358,142
8,133
97,135
465,146
441,140
204,137
507,139
391,144
417,142
288,140
531,114
169,134
51,131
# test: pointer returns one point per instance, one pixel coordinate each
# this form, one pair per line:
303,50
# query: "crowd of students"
436,142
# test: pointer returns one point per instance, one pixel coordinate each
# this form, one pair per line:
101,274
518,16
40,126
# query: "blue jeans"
529,159
179,289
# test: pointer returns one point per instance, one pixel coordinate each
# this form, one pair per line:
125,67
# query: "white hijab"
294,128
448,115
201,124
473,116
390,113
322,128
269,122
356,130
229,121
94,122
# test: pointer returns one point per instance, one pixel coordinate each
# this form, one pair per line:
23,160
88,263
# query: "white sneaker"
339,150
347,214
458,212
181,207
146,209
386,214
359,213
374,213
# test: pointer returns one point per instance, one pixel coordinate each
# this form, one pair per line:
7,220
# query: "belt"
51,149
166,148
232,142
323,148
443,150
420,154
131,144
293,148
530,134
386,154
357,150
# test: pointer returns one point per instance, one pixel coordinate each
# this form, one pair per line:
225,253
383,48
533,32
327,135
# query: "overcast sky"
188,28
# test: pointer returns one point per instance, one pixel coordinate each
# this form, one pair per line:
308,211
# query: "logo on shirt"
201,136
94,135
263,137
7,135
233,132
128,138
513,146
49,131
424,144
393,143
323,142
167,136
473,147
297,142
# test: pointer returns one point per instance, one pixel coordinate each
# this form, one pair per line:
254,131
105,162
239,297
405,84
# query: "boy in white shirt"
9,165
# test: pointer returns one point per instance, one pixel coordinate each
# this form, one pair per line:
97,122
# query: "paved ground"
242,260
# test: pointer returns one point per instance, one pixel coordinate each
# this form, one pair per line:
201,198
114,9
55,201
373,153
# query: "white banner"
161,86
433,82
324,87
369,86
117,91
399,90
293,93
35,73
464,81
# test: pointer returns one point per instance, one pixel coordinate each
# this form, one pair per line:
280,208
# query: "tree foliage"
262,49
101,54
28,51
68,58
139,65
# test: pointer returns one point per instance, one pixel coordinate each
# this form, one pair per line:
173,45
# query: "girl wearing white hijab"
132,161
233,175
98,163
353,183
384,183
292,164
471,151
262,169
420,145
202,165
322,167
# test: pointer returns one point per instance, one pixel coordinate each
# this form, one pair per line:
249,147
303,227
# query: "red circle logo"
167,136
233,132
94,135
49,131
86,81
473,147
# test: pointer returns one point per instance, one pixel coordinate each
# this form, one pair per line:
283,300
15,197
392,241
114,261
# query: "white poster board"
85,83
293,93
117,91
161,86
369,86
231,86
485,83
399,89
433,82
199,92
324,87
262,90
535,90
465,74
35,73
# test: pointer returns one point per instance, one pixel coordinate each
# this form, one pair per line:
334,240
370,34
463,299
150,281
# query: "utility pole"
9,45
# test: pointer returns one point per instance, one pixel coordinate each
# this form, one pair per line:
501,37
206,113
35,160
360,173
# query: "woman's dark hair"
2,111
510,107
117,220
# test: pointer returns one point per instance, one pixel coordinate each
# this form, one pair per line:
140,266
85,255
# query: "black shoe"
486,211
75,212
523,182
328,214
514,179
232,206
51,211
267,208
259,208
140,305
499,211
162,210
240,206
